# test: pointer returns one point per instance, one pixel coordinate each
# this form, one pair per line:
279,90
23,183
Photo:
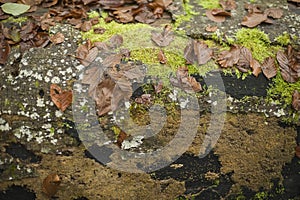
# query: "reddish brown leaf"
228,4
61,98
86,26
245,58
121,137
112,60
158,87
51,184
103,96
184,81
229,58
275,13
256,68
215,18
57,38
99,30
161,57
197,52
289,64
164,38
254,19
146,17
268,67
296,100
4,50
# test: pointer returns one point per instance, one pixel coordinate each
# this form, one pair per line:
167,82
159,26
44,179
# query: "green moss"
18,20
281,93
116,131
189,13
256,41
209,4
111,29
93,14
283,39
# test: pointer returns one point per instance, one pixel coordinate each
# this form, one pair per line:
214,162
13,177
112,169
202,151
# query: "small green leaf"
14,9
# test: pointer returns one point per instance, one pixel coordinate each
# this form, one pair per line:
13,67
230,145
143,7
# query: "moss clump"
209,4
111,29
281,92
15,20
283,39
189,13
257,42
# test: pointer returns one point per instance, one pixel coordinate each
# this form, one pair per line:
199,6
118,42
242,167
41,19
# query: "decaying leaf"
289,64
161,57
57,38
86,26
275,13
228,4
164,38
4,50
51,184
229,58
210,28
121,137
184,81
256,68
61,98
296,100
254,19
197,52
268,67
144,99
245,58
217,14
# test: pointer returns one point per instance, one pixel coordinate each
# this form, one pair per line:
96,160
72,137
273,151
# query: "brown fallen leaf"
289,64
51,184
161,57
61,98
184,81
164,38
296,100
121,137
228,4
256,68
86,26
275,13
4,50
228,58
116,41
245,59
57,38
268,67
103,95
254,19
217,15
197,52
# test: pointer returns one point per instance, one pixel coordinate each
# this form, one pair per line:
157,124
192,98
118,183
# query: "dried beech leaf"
268,67
245,59
184,81
161,57
61,98
288,64
51,184
57,38
296,100
4,50
197,52
254,19
164,38
112,60
215,18
86,26
103,96
121,137
228,4
122,91
116,41
256,68
275,13
229,58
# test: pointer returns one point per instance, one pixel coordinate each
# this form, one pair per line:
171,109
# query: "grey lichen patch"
25,92
254,149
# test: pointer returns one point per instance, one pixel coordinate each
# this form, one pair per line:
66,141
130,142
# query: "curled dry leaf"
254,19
51,184
217,15
268,67
161,57
245,59
61,98
256,68
184,81
164,38
275,13
296,100
229,58
86,26
289,64
57,38
228,4
197,52
121,137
